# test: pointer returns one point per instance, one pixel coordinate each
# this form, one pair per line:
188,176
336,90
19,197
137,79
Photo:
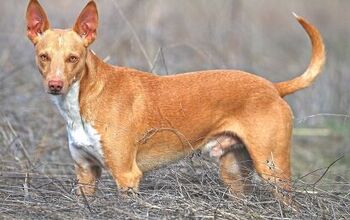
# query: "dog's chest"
84,140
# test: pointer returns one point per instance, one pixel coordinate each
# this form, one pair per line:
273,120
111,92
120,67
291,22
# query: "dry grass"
35,189
179,191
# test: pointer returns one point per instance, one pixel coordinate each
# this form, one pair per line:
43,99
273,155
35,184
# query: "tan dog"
130,121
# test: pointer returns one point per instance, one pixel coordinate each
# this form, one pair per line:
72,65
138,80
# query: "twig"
324,173
26,186
23,149
132,29
153,131
85,199
322,114
160,55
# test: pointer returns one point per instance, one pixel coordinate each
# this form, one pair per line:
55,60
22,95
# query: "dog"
130,122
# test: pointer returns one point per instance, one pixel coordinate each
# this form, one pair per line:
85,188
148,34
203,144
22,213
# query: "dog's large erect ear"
87,22
37,21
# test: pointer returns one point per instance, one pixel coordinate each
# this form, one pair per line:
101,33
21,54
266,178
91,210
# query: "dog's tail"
318,58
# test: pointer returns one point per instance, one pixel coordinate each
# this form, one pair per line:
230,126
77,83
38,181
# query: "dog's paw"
85,190
128,192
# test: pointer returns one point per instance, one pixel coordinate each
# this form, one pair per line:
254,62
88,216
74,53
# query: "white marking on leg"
234,168
208,146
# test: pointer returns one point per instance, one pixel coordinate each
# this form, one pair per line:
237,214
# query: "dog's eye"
44,57
73,59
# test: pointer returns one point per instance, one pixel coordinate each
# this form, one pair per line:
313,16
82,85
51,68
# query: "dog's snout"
55,86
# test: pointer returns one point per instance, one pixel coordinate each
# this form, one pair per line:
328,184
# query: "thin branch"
324,173
132,29
322,114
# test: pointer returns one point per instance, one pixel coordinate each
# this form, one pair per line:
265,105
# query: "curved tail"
318,58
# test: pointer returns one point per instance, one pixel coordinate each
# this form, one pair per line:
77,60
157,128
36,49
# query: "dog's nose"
55,86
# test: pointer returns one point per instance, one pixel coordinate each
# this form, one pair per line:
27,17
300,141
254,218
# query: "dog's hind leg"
236,170
234,161
268,144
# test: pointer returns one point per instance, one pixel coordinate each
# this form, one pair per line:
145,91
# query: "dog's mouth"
54,92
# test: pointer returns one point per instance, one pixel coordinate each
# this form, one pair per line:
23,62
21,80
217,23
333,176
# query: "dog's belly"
163,148
166,147
158,156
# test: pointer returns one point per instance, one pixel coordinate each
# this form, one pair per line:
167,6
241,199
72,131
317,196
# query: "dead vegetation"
35,189
179,191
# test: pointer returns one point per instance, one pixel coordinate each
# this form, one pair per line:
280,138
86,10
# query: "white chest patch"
84,140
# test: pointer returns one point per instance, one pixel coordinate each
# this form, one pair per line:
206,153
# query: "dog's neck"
92,63
68,105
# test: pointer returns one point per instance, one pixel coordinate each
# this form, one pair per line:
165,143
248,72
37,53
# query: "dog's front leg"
120,158
87,176
87,169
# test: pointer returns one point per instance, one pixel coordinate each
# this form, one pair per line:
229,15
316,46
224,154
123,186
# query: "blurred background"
169,37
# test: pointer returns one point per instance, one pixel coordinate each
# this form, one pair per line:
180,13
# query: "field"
168,37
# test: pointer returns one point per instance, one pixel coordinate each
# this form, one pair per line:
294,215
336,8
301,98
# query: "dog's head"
61,54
